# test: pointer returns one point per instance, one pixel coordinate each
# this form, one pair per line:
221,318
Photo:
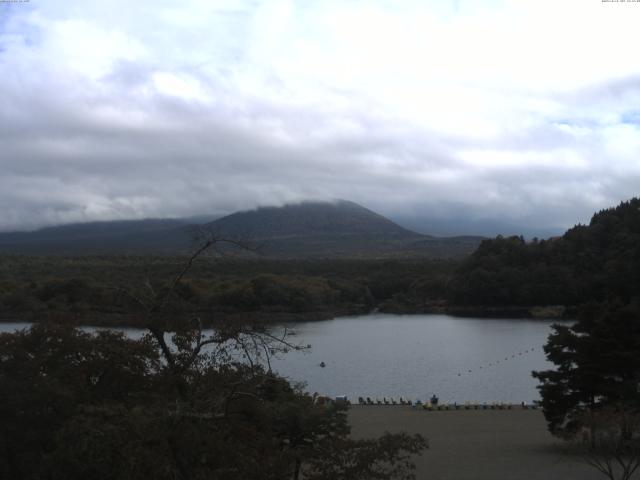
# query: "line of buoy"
497,362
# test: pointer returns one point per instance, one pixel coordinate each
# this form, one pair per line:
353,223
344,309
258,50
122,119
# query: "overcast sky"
520,111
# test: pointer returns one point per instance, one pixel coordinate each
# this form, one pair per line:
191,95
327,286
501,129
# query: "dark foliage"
597,365
75,405
84,286
177,404
587,263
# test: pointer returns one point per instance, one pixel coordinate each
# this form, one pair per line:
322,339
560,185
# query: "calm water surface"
415,356
458,359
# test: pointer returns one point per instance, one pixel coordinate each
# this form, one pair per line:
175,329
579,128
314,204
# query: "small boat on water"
322,364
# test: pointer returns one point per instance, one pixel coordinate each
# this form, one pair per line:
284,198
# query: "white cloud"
184,87
169,108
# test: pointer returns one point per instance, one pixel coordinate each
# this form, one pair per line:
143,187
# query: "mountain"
307,229
308,219
125,236
316,229
340,228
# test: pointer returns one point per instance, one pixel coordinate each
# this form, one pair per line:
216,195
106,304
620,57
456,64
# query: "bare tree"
610,441
181,337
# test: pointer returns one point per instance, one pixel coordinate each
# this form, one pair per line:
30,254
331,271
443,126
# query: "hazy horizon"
439,227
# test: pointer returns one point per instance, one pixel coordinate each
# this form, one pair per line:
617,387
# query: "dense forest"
91,287
589,262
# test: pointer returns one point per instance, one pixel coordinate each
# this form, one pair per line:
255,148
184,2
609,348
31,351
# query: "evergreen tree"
597,365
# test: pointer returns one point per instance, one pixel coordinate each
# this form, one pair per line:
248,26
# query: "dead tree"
611,441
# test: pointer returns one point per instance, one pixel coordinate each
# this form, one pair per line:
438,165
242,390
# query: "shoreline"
131,320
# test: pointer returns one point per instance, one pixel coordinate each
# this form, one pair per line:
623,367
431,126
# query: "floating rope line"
428,405
497,362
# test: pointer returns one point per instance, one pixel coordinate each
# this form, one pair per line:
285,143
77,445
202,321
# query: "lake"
415,356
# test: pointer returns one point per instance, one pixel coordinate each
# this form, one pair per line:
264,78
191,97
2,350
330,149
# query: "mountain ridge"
305,229
311,218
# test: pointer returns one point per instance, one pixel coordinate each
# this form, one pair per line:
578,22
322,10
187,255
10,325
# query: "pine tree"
597,365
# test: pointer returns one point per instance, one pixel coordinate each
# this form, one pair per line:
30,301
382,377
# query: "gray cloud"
161,115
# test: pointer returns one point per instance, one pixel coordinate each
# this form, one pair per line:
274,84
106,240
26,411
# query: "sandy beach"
477,444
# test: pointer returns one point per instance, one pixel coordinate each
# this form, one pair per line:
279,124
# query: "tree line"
37,287
589,262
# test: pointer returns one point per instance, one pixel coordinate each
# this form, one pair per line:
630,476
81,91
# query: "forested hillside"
596,262
339,229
